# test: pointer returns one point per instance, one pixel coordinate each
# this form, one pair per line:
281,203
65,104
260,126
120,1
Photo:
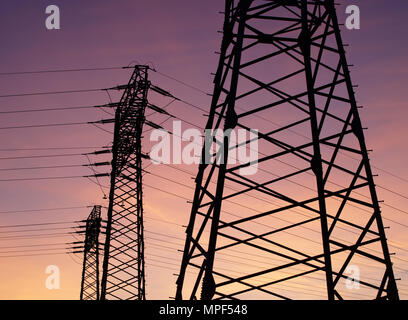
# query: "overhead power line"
41,178
43,156
26,94
47,109
61,70
49,148
35,230
45,209
35,245
36,224
57,166
29,236
33,255
32,250
45,125
103,121
44,167
181,82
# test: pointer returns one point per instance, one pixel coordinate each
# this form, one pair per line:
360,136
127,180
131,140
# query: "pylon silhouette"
283,70
90,271
123,266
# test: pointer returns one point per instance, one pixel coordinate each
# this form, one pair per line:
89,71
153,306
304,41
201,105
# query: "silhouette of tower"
123,266
309,216
90,270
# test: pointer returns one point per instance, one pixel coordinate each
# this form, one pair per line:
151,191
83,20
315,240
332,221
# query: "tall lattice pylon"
123,266
308,223
90,271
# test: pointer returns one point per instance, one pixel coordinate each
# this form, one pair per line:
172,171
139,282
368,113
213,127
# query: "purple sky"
178,38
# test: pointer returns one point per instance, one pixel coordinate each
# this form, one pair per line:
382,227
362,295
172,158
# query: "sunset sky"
177,38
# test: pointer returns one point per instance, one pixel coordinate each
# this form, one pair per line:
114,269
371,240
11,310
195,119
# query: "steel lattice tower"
283,71
90,270
123,266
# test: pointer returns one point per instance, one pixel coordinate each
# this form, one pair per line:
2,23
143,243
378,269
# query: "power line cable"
49,148
55,109
28,94
36,224
34,245
46,125
33,255
30,236
44,167
35,230
61,70
41,178
45,209
31,250
43,156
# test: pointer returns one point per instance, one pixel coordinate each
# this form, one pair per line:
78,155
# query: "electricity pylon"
90,270
123,266
310,217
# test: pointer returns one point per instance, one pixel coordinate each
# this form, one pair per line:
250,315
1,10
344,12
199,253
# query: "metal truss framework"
283,65
90,270
123,266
